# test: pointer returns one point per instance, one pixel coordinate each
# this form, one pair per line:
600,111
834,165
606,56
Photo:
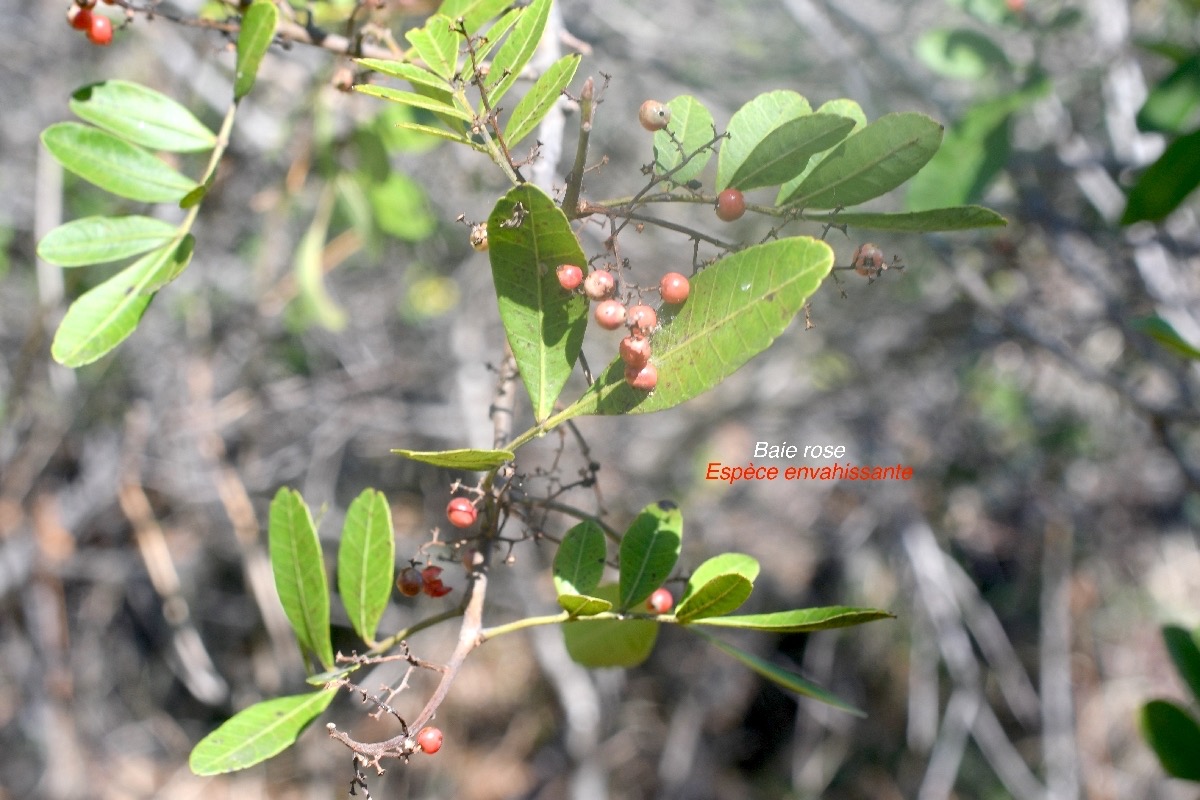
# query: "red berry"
674,288
868,260
599,284
643,378
461,512
731,205
101,31
79,18
430,740
653,115
569,277
610,315
410,583
643,318
660,601
635,351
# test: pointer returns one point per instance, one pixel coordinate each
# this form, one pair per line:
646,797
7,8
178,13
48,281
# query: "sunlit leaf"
114,164
254,39
1162,332
579,562
801,620
308,264
518,48
578,605
474,13
751,124
299,570
257,733
141,115
97,240
470,460
649,550
437,45
414,99
692,126
839,107
785,151
366,562
960,53
412,73
540,99
718,586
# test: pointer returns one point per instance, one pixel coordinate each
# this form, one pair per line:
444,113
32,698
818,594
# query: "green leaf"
495,33
517,49
258,29
437,45
1174,104
873,161
784,152
96,240
737,307
544,324
402,209
257,733
142,116
751,124
597,643
579,562
114,164
1174,736
578,605
104,316
366,562
1162,332
718,586
801,620
308,263
840,107
415,75
470,460
1166,182
538,101
415,100
441,133
955,218
692,125
473,12
785,678
1184,647
992,12
960,53
649,550
300,573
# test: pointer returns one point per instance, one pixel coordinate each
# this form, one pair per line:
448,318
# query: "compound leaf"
596,643
784,152
579,562
437,45
801,620
751,124
718,586
955,218
538,101
470,460
518,48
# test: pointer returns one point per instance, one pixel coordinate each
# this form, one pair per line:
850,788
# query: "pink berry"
635,351
430,740
643,378
599,284
461,512
610,315
674,288
643,318
660,601
653,115
731,205
569,277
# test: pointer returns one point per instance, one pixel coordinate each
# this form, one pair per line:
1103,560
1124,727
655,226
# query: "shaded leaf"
257,733
960,53
1173,105
96,240
609,643
538,101
579,562
840,107
801,620
141,115
1162,332
736,308
518,48
784,152
104,316
254,39
114,164
471,460
649,550
438,132
877,159
366,562
1184,647
1165,183
300,573
692,126
578,605
955,218
1174,736
544,324
778,675
751,124
437,45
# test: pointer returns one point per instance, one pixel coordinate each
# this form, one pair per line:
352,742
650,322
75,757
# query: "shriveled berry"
569,277
430,740
868,260
643,318
79,18
461,512
635,351
643,378
599,284
660,601
410,583
653,115
674,288
610,315
731,205
478,237
433,585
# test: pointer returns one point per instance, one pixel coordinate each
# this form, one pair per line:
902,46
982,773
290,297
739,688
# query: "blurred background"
1049,529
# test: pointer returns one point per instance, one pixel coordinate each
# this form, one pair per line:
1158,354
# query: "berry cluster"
413,581
599,286
98,27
